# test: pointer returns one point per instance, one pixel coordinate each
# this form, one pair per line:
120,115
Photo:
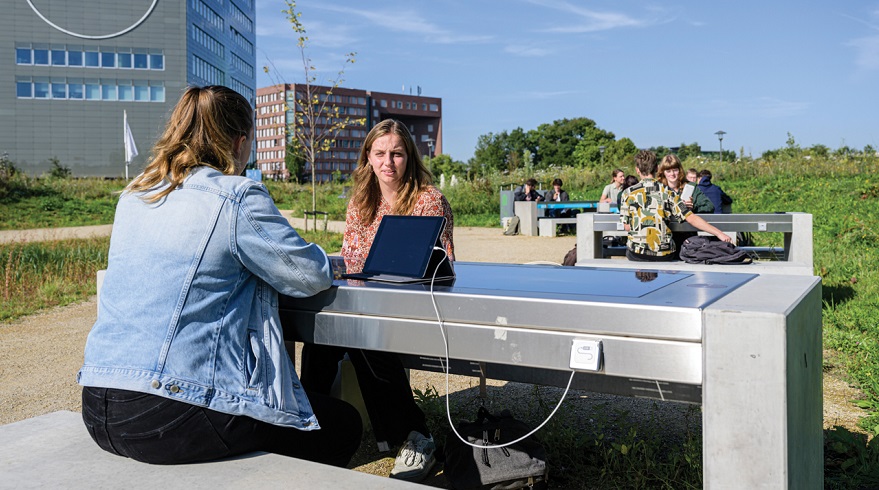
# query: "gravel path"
40,354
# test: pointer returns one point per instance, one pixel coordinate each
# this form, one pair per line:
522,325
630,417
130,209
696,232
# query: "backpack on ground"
520,465
512,226
702,250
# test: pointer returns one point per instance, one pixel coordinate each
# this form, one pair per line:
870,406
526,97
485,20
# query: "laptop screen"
403,245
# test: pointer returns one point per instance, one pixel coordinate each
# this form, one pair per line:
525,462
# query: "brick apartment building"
275,117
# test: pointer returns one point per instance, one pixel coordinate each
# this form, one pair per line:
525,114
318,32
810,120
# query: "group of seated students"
647,202
647,206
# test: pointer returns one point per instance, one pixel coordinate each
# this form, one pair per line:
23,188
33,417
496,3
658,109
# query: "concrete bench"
549,226
55,451
529,212
794,258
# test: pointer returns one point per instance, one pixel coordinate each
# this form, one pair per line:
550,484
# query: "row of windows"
242,65
269,155
242,18
90,58
262,99
276,131
265,121
270,143
208,72
270,108
331,166
353,133
208,13
242,41
71,89
398,104
242,88
208,41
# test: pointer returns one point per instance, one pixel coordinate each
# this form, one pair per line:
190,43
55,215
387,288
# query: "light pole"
720,138
601,152
430,142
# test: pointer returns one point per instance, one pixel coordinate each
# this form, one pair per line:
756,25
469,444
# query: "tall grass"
39,275
45,274
45,202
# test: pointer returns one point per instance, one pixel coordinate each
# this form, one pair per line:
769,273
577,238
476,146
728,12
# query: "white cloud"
410,22
866,52
590,20
527,51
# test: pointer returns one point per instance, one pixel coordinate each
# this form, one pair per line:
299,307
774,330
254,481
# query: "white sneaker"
415,459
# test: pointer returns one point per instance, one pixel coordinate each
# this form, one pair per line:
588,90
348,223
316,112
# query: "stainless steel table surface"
523,319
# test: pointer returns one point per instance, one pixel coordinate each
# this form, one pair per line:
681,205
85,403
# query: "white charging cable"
446,370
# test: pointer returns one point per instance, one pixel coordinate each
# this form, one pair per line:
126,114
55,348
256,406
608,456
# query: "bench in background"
794,258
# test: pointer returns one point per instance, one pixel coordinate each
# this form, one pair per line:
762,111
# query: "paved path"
472,244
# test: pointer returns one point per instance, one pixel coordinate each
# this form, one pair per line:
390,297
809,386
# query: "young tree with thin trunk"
317,119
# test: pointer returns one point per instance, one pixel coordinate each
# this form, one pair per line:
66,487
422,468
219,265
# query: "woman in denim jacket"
186,361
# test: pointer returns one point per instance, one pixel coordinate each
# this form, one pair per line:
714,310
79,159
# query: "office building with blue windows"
71,69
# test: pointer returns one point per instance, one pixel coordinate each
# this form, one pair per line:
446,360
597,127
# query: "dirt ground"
40,355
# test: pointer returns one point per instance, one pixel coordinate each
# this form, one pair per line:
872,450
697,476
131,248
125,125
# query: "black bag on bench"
702,250
521,465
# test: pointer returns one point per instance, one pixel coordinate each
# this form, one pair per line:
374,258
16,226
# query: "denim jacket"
189,304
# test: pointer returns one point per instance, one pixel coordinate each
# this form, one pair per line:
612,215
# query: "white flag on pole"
130,147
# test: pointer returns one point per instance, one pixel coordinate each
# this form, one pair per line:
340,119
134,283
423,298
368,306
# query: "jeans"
158,430
386,392
648,258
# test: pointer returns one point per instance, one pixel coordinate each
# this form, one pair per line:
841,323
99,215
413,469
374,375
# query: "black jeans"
648,258
386,392
158,430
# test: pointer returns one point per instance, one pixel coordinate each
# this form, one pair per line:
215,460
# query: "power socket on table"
586,355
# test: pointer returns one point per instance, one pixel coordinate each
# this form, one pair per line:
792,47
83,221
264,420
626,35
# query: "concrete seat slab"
56,451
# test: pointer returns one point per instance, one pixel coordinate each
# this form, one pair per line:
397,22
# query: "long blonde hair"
669,162
366,192
202,130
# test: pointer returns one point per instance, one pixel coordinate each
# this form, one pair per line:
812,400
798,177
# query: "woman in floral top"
390,179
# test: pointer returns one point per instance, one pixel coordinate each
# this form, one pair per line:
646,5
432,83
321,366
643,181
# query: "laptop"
403,251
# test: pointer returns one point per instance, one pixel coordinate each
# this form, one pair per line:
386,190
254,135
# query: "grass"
38,275
45,274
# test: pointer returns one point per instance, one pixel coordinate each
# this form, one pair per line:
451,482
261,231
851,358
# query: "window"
23,56
125,60
384,103
140,61
74,58
126,92
108,91
92,91
157,94
108,60
157,62
41,56
59,57
41,90
141,92
424,106
92,59
434,107
430,128
74,90
24,89
59,90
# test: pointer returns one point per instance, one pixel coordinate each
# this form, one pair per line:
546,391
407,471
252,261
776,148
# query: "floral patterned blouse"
359,235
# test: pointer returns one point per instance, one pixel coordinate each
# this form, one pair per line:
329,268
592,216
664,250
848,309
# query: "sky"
659,73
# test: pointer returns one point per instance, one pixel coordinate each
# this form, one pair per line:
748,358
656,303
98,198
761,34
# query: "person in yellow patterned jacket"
645,209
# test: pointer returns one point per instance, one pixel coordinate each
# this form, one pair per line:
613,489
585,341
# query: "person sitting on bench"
186,362
644,210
